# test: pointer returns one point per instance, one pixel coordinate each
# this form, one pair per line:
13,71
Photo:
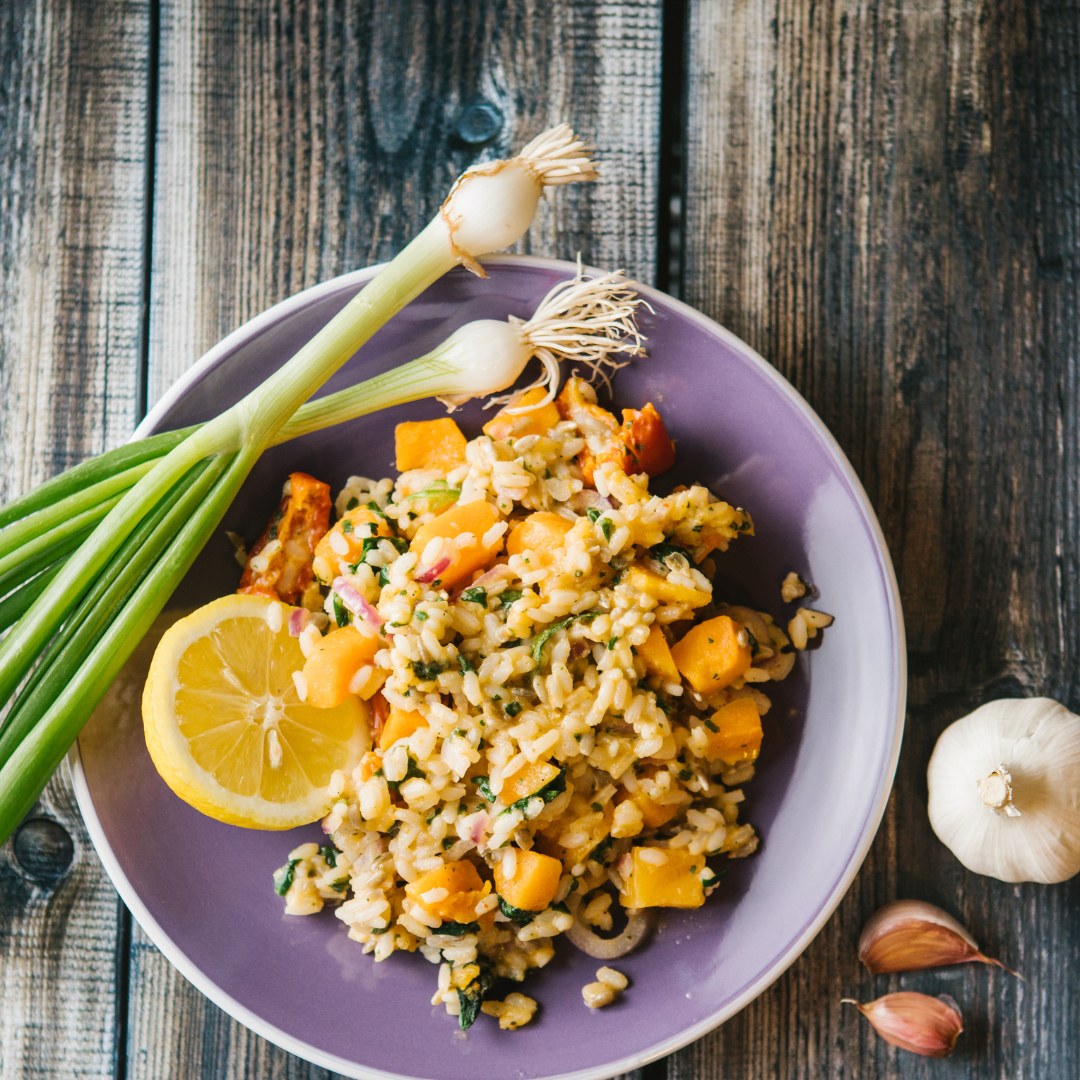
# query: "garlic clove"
916,1022
909,935
1004,787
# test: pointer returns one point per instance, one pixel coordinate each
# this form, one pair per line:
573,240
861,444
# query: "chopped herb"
607,527
592,513
283,877
560,907
410,772
464,664
686,774
512,708
602,850
542,639
660,552
427,672
459,732
511,643
611,643
476,596
346,527
352,504
384,576
433,813
393,831
342,615
578,573
508,596
340,885
754,648
399,624
693,869
484,787
547,474
711,726
375,508
665,705
472,997
379,930
517,915
457,929
420,616
438,491
617,579
329,854
448,842
597,808
710,641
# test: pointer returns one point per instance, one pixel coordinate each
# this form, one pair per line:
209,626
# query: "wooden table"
881,196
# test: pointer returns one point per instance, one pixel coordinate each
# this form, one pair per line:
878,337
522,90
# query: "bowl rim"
217,355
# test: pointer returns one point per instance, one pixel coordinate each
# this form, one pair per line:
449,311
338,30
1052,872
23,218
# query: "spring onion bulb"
490,207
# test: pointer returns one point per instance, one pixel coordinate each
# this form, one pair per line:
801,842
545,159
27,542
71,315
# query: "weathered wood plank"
72,179
880,199
299,140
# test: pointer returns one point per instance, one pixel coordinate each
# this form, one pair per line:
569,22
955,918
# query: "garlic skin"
910,935
1005,790
917,1022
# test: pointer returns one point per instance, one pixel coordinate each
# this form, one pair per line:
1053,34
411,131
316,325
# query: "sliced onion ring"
431,573
638,927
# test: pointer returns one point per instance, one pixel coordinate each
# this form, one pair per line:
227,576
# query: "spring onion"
488,208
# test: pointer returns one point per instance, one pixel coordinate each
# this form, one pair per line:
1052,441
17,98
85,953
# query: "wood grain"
881,199
299,140
72,180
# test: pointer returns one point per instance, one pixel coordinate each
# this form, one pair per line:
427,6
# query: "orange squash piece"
429,444
543,534
664,591
299,523
504,425
463,891
534,884
653,814
475,518
671,883
655,653
400,724
710,656
333,663
354,528
737,737
647,441
527,781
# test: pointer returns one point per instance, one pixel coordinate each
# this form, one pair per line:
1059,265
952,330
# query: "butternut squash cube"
429,444
656,655
333,662
504,425
647,441
344,543
534,883
710,656
399,725
737,737
451,892
653,814
528,780
543,534
664,591
475,519
664,878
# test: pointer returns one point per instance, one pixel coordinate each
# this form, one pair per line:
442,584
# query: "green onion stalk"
153,507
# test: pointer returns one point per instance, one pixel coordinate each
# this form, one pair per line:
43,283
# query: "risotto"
562,713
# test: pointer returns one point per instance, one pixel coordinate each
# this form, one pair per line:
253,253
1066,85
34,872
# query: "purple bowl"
201,889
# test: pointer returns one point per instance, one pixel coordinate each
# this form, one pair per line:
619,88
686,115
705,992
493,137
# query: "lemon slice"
226,728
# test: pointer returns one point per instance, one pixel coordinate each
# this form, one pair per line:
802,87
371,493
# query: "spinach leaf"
484,787
458,929
283,877
472,997
329,853
549,792
542,639
410,772
476,596
427,672
508,596
660,552
514,914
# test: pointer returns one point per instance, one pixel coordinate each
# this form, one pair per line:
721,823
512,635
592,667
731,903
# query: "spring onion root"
118,592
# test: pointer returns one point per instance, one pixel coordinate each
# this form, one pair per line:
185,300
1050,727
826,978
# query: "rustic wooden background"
881,196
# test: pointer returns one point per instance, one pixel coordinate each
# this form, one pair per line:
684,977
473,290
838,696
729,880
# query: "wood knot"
478,123
43,848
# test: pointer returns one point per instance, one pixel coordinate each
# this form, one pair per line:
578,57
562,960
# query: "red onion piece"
636,930
426,577
587,499
298,619
480,823
355,603
489,577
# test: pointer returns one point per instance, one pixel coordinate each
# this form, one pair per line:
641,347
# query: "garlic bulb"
1005,790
